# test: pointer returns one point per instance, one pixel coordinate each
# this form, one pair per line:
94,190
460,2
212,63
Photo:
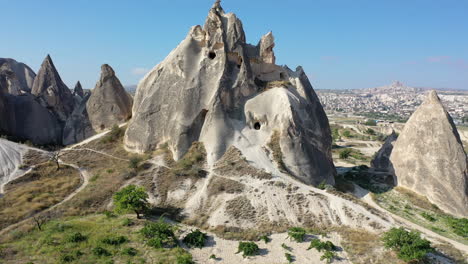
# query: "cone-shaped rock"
218,89
16,76
54,94
428,158
78,90
109,103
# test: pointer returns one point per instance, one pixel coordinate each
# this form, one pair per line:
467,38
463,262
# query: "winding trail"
429,233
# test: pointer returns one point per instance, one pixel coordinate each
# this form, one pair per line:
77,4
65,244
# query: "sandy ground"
270,253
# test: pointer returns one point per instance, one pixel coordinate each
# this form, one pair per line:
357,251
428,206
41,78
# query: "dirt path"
430,234
84,176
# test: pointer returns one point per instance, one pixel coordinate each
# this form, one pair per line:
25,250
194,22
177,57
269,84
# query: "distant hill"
131,89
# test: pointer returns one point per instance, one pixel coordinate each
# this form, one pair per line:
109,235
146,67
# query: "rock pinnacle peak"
432,97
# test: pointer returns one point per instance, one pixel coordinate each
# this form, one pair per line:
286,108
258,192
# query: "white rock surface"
10,159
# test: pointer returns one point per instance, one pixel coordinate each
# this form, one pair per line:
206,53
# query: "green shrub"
195,239
114,240
370,131
428,217
408,245
458,225
322,185
115,133
213,256
101,252
345,153
328,256
109,214
347,133
319,245
130,251
185,259
370,122
159,234
285,247
265,239
247,249
134,162
297,234
66,258
76,238
289,257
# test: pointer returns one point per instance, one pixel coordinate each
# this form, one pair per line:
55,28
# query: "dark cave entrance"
211,55
257,126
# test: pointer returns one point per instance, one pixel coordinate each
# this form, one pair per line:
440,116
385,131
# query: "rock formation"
78,91
52,92
10,159
78,126
109,103
428,158
217,89
19,76
382,157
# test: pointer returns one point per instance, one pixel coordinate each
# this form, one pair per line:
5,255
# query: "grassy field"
90,239
38,190
420,211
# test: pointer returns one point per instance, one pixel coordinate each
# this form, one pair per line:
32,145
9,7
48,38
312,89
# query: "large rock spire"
54,94
428,158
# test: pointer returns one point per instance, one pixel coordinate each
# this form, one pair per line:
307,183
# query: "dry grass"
233,164
33,157
38,190
364,247
219,185
418,200
108,174
274,145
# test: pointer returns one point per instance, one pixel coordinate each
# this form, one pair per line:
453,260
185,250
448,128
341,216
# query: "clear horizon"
340,44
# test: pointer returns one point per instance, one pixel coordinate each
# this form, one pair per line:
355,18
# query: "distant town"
395,102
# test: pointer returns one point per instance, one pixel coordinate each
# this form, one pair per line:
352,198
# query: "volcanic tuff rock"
10,159
382,157
78,126
217,89
109,103
19,76
428,158
78,90
51,90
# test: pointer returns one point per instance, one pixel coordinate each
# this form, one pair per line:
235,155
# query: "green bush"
297,234
345,153
159,234
285,247
319,245
115,133
76,238
101,252
347,133
408,245
130,251
322,185
114,240
328,256
458,225
428,217
66,258
248,249
289,257
265,238
185,259
213,256
134,162
195,239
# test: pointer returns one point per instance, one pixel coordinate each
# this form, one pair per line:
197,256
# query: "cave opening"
211,55
257,126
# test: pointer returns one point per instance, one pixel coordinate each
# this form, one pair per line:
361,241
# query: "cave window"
211,55
257,126
103,126
282,77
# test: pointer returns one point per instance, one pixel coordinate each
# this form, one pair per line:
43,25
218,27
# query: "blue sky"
340,43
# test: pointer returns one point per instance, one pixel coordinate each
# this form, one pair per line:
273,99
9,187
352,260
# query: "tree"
131,198
56,158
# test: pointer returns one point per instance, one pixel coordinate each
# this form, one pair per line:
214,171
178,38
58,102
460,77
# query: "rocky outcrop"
109,103
10,159
381,159
16,77
52,92
78,126
217,89
78,91
428,158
